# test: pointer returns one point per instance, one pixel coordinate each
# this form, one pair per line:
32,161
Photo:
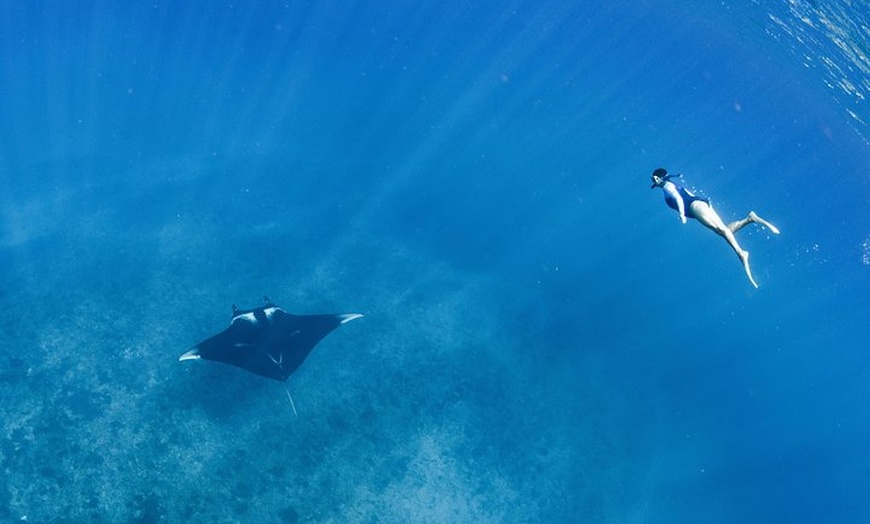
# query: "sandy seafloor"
543,341
415,413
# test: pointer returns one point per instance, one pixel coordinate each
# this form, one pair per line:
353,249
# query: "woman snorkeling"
690,206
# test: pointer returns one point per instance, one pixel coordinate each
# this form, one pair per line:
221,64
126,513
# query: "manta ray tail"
292,405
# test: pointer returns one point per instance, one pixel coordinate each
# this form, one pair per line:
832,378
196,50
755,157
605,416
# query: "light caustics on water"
833,37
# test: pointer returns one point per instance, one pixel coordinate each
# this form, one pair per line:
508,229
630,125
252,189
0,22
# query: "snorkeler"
691,206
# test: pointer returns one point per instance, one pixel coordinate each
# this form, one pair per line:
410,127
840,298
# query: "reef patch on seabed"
424,411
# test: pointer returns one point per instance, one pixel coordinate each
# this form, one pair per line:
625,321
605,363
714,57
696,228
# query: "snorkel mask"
660,176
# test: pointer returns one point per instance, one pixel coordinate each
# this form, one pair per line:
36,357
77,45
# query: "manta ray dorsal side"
267,340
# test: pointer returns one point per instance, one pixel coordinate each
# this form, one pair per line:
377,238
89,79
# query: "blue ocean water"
544,341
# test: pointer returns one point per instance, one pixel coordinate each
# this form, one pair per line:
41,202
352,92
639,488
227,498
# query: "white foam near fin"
348,317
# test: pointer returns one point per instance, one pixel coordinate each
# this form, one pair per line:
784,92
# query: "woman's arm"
671,189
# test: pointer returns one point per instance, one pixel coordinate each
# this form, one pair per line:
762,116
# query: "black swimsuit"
688,198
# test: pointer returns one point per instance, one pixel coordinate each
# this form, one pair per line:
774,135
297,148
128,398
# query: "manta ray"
267,340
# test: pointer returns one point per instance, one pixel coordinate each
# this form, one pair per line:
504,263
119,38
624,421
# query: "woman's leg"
752,217
706,215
